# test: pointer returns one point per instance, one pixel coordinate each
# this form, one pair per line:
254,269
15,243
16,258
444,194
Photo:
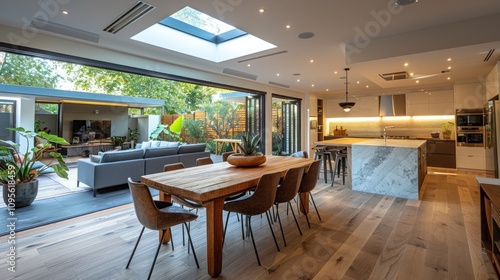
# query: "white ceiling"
382,37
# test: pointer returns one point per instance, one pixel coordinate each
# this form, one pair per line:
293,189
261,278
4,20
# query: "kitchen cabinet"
422,166
430,103
492,84
469,95
321,127
471,158
441,153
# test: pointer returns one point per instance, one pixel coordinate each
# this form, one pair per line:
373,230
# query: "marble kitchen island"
394,167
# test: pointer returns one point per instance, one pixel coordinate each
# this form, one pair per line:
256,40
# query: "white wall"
117,115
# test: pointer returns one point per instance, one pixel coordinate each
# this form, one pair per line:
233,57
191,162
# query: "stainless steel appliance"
470,136
492,134
470,117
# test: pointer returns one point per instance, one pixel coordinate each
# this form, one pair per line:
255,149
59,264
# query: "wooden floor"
361,236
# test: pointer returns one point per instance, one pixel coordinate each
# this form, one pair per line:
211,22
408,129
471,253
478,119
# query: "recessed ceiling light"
261,10
367,86
411,74
65,12
312,85
357,82
312,60
406,64
327,90
448,78
248,65
449,59
277,74
335,72
288,26
298,80
449,67
417,81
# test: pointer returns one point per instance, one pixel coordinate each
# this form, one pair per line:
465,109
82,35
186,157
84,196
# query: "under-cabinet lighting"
440,117
396,118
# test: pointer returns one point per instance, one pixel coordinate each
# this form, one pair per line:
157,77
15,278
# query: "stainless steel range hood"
392,105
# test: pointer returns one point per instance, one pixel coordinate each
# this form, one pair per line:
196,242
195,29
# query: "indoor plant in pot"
447,126
250,155
19,171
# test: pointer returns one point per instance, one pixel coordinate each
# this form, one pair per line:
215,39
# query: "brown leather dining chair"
259,202
286,192
151,217
180,200
308,183
203,161
226,155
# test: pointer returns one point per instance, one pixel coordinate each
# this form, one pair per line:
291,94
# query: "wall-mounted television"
86,130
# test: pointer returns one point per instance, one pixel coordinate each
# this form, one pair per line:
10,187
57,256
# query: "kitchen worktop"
401,143
348,141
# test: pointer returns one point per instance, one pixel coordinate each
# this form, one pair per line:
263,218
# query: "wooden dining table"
210,185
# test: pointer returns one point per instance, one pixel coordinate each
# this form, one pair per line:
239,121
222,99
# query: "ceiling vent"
240,74
136,12
57,28
488,55
278,84
395,76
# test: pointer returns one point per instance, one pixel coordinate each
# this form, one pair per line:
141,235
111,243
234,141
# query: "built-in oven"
470,136
470,117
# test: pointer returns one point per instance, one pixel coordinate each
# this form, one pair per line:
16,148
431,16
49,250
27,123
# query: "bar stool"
340,159
325,155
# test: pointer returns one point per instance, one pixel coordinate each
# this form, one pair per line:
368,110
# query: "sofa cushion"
169,144
192,148
159,152
144,145
113,156
95,158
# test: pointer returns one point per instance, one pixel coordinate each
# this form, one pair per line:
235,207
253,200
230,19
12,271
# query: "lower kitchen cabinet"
471,158
441,153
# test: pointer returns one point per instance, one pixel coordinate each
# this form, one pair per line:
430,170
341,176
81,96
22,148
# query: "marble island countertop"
349,141
401,143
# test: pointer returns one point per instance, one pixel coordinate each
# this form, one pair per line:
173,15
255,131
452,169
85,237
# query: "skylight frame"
200,33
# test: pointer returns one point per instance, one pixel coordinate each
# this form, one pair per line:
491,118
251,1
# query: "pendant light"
346,105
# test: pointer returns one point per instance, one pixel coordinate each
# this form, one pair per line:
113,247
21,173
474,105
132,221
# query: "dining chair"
226,155
301,154
153,218
259,202
203,161
308,183
180,200
286,192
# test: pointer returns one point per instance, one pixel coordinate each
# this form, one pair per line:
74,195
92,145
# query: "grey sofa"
114,167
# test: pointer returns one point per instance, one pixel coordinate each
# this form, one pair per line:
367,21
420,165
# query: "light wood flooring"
361,236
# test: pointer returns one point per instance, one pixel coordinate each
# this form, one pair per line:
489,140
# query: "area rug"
55,209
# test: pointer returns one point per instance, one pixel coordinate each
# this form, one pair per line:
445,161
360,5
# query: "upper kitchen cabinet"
366,106
492,85
430,103
469,95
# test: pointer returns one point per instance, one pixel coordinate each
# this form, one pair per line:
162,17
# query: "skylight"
203,21
197,34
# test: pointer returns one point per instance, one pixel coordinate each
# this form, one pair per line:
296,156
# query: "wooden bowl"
241,160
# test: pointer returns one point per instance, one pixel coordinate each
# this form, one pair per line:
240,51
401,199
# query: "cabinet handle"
470,156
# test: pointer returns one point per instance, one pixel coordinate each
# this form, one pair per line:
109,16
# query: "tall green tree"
29,71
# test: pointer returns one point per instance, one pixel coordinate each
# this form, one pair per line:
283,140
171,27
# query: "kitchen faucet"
385,134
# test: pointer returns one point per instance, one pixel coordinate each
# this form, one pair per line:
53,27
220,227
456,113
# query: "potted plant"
447,126
118,141
19,171
250,155
133,135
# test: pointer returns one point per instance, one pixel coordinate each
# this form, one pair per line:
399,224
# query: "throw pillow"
145,145
95,158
